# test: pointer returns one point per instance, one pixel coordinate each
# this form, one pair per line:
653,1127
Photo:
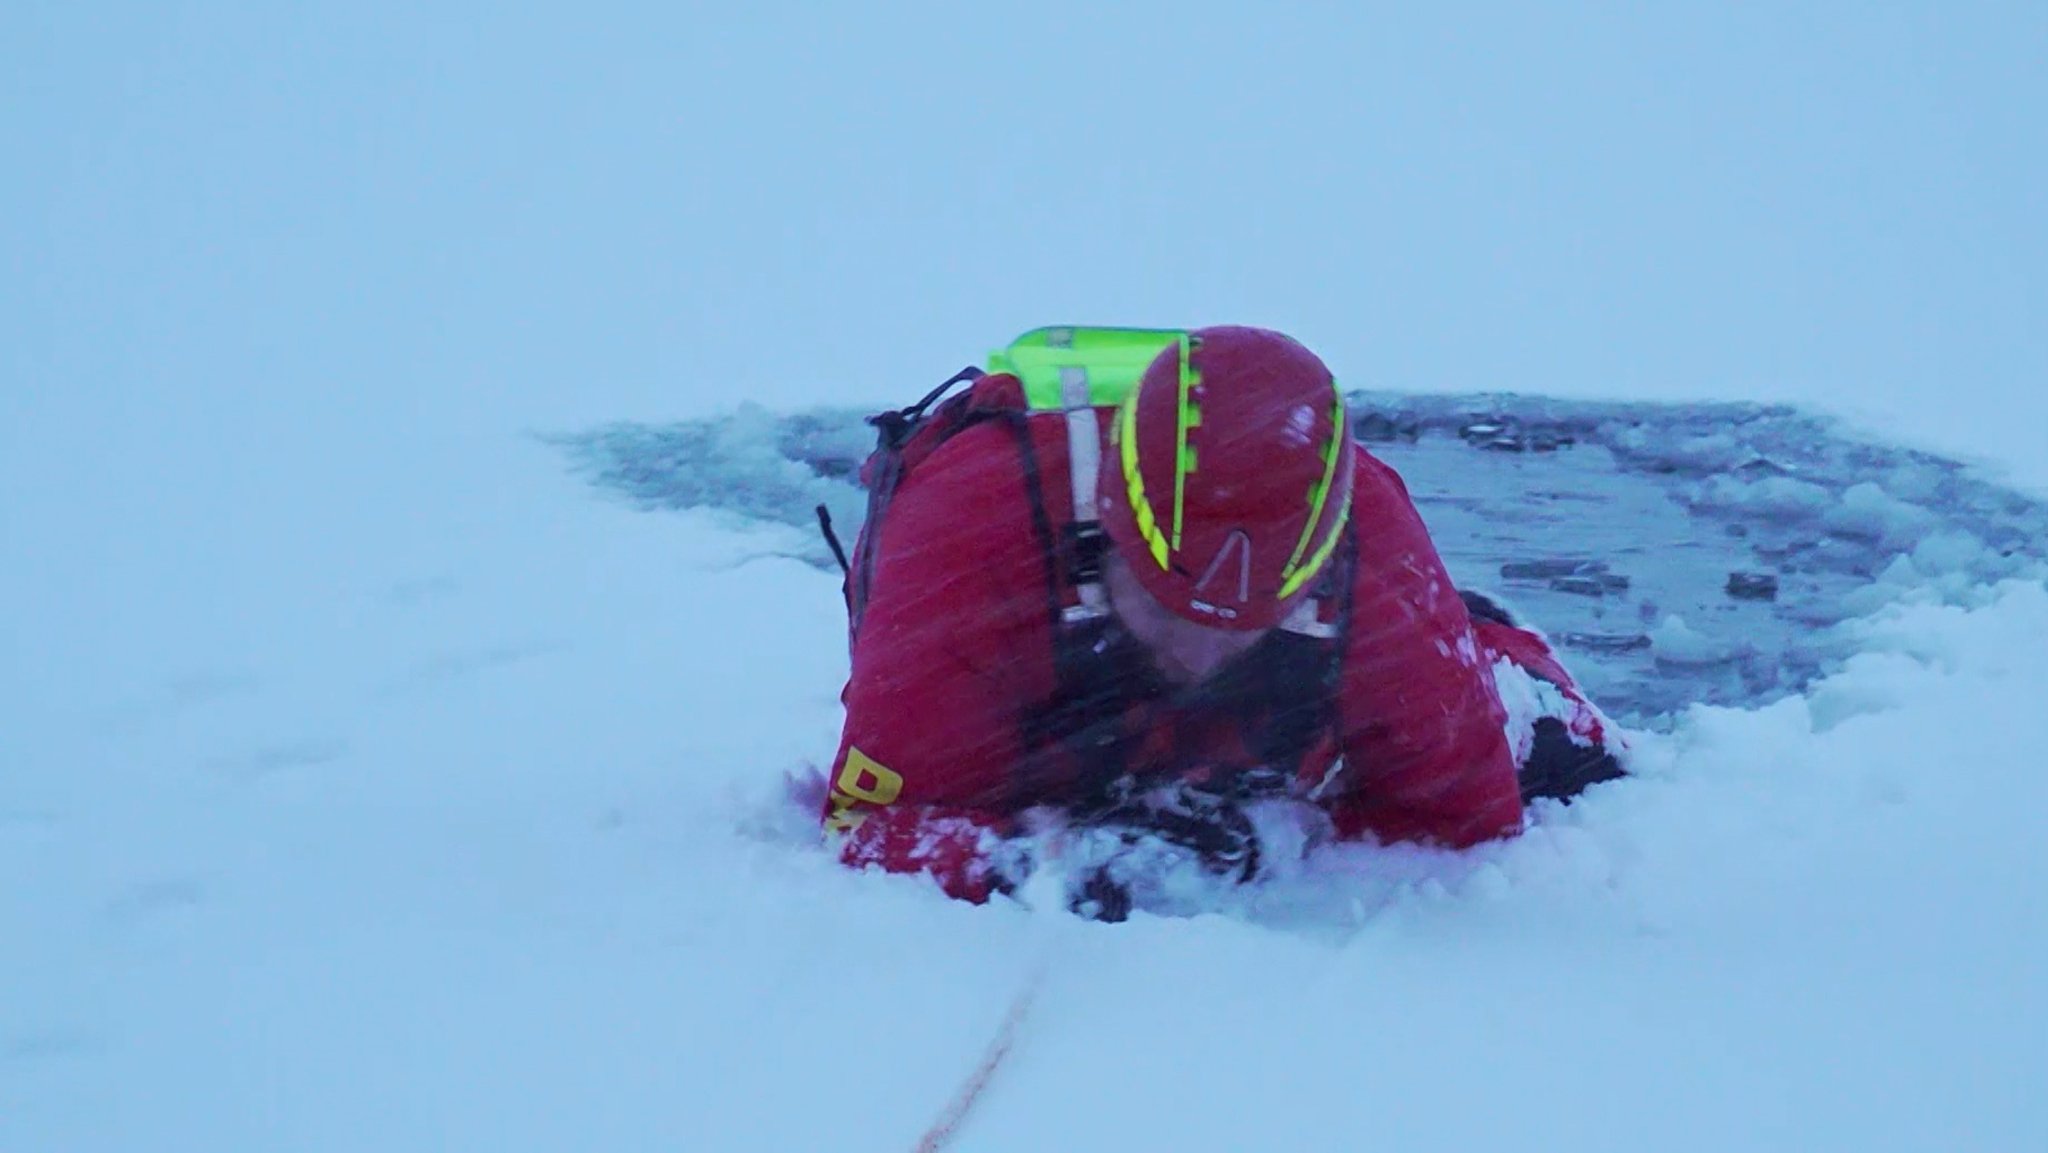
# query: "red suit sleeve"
1528,652
944,662
1420,723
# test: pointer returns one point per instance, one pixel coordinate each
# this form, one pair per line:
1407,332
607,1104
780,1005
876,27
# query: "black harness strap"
1041,521
838,550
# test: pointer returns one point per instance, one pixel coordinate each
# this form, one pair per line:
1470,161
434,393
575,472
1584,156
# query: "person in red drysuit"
1262,615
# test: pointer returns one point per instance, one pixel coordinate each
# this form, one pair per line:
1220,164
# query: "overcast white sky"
372,212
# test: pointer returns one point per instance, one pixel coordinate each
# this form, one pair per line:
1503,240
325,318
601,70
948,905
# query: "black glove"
1101,897
1212,829
1560,768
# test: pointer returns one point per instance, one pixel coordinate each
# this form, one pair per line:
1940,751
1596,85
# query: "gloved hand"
1145,832
1561,768
1214,828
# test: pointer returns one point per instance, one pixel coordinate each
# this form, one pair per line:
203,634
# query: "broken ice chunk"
1753,586
1594,585
1543,570
1676,643
1605,642
1868,511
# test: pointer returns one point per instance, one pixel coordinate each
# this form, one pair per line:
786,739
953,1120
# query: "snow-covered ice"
481,842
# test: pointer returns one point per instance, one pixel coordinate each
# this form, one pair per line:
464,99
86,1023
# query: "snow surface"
365,784
480,841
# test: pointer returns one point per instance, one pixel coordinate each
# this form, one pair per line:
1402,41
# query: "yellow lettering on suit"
861,780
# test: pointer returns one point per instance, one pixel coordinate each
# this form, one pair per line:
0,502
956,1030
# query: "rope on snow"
943,1130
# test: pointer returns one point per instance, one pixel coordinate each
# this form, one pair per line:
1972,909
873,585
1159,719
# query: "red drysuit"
953,676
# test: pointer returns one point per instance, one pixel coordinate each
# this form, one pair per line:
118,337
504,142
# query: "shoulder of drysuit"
961,533
979,487
1405,612
1389,530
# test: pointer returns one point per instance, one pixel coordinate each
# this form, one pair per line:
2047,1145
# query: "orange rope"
948,1125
